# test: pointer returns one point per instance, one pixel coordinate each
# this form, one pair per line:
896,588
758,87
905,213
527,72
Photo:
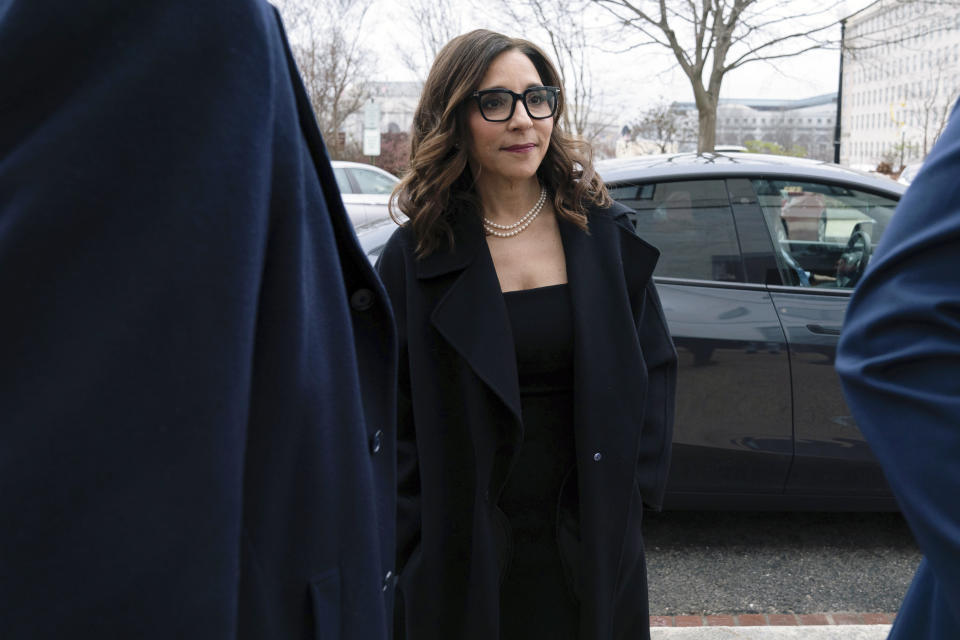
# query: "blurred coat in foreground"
899,360
185,447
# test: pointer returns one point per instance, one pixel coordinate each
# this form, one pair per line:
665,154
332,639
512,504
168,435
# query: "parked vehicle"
365,190
373,237
909,172
730,148
755,307
759,256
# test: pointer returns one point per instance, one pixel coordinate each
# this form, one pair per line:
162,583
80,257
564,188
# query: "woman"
537,373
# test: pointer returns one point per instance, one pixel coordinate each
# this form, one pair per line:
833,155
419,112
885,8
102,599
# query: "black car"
759,255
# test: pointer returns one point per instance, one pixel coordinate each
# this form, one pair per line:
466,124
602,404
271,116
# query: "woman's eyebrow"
501,87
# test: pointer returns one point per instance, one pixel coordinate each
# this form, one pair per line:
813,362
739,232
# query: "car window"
823,234
690,222
343,183
373,182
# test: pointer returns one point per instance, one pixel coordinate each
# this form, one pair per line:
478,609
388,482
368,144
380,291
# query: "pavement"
833,632
826,626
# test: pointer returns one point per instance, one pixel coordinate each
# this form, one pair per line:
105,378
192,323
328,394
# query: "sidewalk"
827,626
839,632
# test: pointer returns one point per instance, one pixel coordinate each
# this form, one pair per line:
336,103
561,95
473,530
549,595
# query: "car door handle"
826,331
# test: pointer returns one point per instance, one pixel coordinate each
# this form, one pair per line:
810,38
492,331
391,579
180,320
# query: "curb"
773,620
825,632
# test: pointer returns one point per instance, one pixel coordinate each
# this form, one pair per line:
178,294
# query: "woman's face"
510,150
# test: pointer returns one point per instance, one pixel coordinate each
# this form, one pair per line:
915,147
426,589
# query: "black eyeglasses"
497,105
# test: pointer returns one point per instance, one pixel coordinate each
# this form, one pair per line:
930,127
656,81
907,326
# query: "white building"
806,123
901,75
397,102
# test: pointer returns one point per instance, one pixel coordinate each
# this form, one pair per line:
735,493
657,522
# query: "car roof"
358,165
692,165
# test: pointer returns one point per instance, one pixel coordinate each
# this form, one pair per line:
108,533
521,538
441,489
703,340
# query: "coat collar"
638,258
606,270
468,241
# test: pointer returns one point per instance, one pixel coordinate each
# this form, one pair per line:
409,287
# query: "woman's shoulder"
400,242
398,252
633,248
615,213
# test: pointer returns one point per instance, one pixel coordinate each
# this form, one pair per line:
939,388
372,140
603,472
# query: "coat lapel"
607,270
472,315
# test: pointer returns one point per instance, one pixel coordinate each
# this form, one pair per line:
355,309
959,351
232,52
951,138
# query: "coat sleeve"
656,438
660,357
898,361
392,269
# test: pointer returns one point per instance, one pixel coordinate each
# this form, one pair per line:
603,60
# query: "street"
705,563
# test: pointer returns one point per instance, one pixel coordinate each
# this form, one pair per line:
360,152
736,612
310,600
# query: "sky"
634,80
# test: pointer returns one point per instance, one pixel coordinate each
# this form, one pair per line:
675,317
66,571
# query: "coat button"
388,580
376,441
597,457
361,299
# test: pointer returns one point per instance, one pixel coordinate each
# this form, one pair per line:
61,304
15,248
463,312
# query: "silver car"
365,190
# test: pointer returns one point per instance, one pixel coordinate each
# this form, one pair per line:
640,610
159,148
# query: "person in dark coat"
197,363
537,373
898,360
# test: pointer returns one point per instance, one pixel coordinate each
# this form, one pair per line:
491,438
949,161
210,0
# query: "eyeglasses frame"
522,97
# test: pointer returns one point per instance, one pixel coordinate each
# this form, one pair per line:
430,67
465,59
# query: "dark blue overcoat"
899,360
186,450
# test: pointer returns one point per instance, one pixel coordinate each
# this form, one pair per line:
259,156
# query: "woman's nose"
520,118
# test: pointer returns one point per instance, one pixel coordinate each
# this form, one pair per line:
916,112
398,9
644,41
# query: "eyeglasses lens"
497,105
540,103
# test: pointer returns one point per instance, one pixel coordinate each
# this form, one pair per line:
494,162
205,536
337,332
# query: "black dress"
535,601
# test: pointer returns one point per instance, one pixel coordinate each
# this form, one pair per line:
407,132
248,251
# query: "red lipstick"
520,148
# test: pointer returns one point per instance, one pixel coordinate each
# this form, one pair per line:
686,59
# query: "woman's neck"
507,201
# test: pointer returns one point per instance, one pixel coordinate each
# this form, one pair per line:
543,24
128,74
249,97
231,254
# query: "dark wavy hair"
439,183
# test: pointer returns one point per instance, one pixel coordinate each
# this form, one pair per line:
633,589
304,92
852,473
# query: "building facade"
804,126
901,75
397,102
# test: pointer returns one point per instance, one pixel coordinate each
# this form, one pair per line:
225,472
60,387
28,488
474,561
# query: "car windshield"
373,181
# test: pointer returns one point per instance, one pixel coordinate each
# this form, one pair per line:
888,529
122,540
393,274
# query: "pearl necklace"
510,230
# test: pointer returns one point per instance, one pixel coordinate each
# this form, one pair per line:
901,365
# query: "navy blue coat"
899,360
460,428
185,447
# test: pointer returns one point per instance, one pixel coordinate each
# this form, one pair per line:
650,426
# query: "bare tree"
711,38
935,104
326,43
662,124
936,16
571,44
436,22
